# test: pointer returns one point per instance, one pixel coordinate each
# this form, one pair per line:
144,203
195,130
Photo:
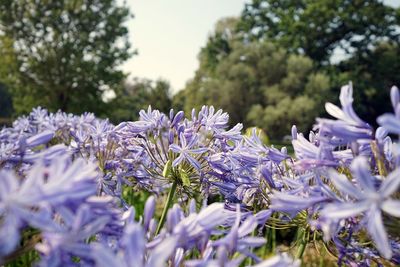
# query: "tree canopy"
62,54
137,95
317,28
262,85
274,65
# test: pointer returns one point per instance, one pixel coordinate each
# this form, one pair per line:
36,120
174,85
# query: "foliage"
280,59
317,28
263,85
62,54
6,107
133,97
373,72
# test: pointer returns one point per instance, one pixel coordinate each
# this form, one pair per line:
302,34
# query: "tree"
64,53
373,74
219,43
317,28
261,85
6,108
138,95
249,65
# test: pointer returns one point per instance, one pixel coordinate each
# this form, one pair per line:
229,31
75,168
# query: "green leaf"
167,169
184,177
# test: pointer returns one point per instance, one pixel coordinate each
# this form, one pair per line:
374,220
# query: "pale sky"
168,35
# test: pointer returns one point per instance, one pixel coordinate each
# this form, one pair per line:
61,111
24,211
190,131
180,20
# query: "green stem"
273,240
166,207
322,259
29,246
302,240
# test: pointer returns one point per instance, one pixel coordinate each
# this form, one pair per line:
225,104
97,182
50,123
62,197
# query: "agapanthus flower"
280,260
69,183
391,122
366,197
186,149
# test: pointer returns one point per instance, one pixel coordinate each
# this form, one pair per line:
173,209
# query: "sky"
168,35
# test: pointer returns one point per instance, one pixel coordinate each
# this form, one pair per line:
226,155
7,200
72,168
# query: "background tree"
317,28
262,85
272,66
6,107
63,54
133,97
373,74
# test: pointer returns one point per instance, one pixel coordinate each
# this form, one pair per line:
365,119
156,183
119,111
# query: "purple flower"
148,213
348,127
390,122
211,120
280,260
347,113
366,198
39,139
238,240
287,202
186,149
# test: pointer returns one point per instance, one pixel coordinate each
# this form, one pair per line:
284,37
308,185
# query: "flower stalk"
167,205
302,241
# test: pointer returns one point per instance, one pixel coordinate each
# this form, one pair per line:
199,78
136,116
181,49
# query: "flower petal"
360,169
343,184
344,210
378,234
390,123
391,183
391,207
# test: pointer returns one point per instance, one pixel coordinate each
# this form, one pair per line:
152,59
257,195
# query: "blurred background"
269,63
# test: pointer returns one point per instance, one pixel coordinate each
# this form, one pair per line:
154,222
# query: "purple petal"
178,160
133,243
9,234
252,241
343,184
39,139
390,184
213,215
390,123
162,252
178,117
292,203
344,210
335,111
394,96
247,226
391,207
175,148
182,138
194,162
263,216
360,169
104,257
282,260
8,183
378,234
148,213
199,150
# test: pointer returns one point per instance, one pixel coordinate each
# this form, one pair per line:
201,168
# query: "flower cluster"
346,180
197,154
63,181
188,190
